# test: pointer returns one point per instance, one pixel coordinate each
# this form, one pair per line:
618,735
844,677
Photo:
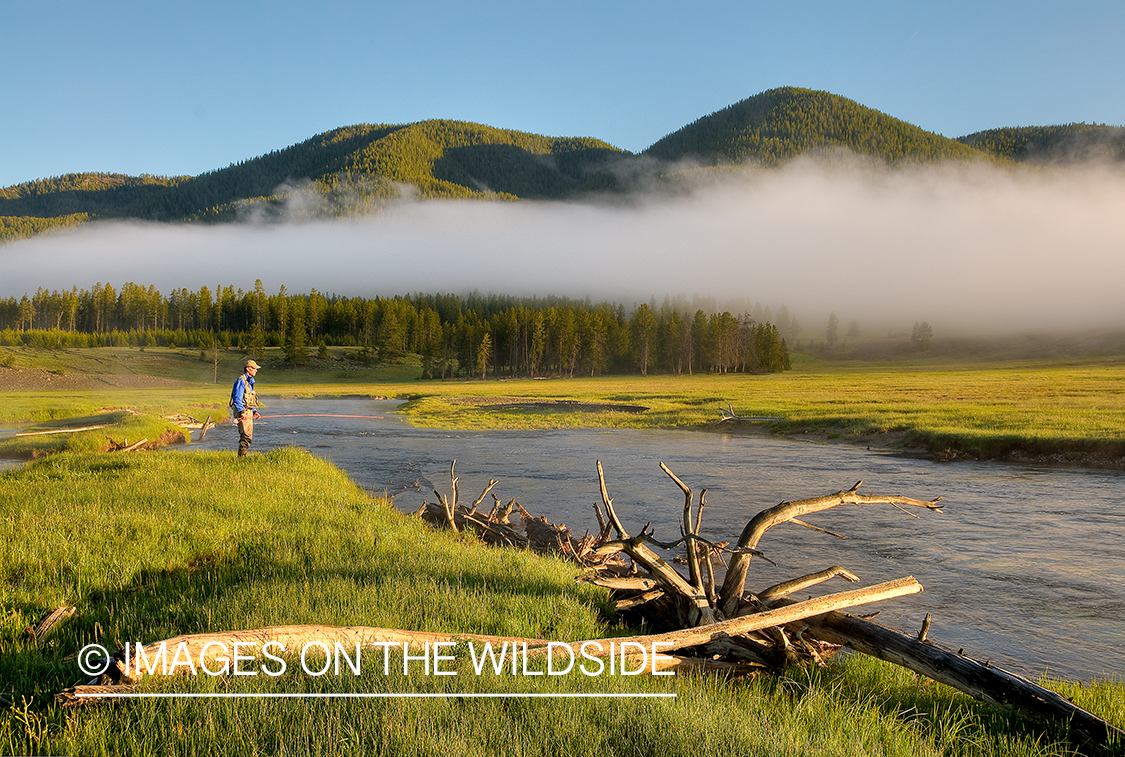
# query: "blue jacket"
239,390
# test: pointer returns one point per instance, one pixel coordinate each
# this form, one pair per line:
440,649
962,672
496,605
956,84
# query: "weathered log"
492,532
622,605
210,648
628,583
699,635
80,696
982,681
190,653
693,607
48,625
135,446
728,414
62,430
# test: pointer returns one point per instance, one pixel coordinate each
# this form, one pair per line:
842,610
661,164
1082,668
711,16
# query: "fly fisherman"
243,400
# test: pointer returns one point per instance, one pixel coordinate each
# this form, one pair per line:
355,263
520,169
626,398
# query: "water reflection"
1026,567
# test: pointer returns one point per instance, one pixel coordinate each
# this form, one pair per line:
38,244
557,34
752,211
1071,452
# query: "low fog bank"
963,247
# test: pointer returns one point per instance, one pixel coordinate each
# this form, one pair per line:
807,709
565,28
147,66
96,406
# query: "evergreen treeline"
455,336
1064,142
21,227
781,124
92,194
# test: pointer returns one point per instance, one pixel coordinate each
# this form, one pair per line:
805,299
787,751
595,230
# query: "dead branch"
728,414
611,514
491,483
48,625
735,582
785,588
688,529
62,431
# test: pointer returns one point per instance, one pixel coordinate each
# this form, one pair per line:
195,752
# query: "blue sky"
181,88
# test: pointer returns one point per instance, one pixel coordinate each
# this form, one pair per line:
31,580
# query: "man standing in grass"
243,400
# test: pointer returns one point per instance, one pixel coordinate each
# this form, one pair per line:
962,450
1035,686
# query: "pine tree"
484,354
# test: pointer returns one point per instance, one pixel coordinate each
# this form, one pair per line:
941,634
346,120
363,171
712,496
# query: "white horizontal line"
368,695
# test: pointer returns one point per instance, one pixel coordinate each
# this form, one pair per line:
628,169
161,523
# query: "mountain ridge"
355,169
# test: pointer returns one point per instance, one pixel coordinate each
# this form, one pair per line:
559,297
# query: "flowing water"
1026,566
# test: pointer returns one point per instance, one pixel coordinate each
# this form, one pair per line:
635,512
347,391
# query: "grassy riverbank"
148,546
1063,412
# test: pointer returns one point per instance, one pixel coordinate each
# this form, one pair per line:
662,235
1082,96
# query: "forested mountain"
355,169
1066,143
781,124
351,167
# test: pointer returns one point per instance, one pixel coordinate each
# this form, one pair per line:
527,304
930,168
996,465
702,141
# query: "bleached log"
135,446
628,583
982,681
699,635
62,430
48,625
209,649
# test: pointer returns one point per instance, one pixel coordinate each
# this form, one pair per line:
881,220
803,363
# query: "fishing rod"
319,415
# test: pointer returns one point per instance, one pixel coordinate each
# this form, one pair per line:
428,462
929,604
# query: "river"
1025,568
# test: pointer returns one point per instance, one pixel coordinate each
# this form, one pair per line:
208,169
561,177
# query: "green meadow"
991,409
150,545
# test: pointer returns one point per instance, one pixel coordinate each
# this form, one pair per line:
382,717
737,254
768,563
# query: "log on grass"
62,430
714,632
48,625
982,681
210,649
207,651
79,696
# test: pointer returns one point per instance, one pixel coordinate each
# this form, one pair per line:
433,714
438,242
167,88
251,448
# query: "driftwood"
529,532
62,430
980,680
124,446
181,655
693,603
48,625
728,414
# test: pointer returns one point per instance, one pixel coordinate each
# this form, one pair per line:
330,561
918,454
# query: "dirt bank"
39,380
1104,455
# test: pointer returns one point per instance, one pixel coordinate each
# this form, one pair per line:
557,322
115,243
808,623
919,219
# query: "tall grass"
149,546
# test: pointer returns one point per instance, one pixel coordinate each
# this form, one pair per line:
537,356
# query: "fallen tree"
694,601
